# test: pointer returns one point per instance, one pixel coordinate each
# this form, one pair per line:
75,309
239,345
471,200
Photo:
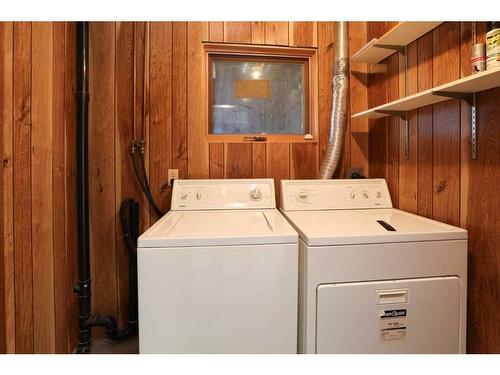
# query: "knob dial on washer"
302,195
255,194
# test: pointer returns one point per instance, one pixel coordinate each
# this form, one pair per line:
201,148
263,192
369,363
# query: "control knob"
302,195
255,194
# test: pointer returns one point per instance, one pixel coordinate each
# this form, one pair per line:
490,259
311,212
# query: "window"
259,94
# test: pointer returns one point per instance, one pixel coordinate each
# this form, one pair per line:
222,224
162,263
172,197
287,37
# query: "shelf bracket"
400,49
403,115
470,98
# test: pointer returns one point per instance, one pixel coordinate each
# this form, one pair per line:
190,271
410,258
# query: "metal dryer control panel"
334,194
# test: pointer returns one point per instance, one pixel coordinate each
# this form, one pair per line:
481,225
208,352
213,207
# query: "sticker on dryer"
393,325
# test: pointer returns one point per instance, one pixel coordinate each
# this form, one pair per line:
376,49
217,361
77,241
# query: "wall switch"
173,174
350,171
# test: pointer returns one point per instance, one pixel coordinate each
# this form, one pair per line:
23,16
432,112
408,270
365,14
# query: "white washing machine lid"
350,227
219,228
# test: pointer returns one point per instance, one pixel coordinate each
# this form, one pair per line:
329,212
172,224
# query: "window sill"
235,138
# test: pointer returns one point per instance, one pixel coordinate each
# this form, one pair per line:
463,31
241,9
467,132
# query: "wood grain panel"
216,31
303,160
483,217
235,32
358,100
125,181
377,86
3,307
465,144
326,37
277,33
303,34
278,164
446,119
101,160
258,160
160,121
60,255
197,145
425,130
22,194
238,160
179,106
216,160
408,167
258,32
71,183
141,110
7,314
41,186
393,130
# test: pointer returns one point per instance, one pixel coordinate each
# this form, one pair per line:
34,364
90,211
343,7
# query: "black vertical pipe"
82,97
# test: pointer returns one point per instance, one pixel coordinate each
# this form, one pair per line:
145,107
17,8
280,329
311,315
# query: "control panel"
223,194
334,194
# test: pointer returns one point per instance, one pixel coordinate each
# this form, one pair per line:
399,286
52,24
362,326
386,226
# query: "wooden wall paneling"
126,185
60,255
303,34
179,105
377,86
278,164
359,131
446,119
465,113
303,160
258,160
326,54
42,215
425,129
216,156
22,194
7,314
216,31
483,217
71,184
235,32
141,112
393,130
238,160
258,32
160,120
408,167
3,307
197,145
102,184
277,33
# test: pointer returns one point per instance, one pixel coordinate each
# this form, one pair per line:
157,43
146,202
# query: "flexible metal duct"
338,116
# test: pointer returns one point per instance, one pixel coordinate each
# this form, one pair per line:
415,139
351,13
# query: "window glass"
258,96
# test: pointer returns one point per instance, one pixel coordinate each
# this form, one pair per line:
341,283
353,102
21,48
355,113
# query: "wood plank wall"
37,226
439,179
145,83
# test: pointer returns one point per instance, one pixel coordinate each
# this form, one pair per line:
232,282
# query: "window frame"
307,56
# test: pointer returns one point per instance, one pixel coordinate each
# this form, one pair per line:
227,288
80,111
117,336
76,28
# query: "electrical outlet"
349,172
173,174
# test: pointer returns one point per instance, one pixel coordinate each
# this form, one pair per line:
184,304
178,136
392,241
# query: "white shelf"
398,37
469,85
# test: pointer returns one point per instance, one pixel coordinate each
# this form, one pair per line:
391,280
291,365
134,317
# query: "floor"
107,346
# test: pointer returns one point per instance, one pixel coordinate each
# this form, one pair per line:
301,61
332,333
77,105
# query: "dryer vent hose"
340,102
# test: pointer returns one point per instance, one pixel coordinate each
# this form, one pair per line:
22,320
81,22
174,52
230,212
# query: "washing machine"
219,272
372,278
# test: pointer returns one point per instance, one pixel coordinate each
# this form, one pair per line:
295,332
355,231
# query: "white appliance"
374,279
219,272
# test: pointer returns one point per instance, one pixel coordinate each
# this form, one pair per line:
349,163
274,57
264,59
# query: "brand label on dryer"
393,325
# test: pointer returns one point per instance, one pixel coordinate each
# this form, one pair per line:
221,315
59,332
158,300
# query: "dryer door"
394,316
